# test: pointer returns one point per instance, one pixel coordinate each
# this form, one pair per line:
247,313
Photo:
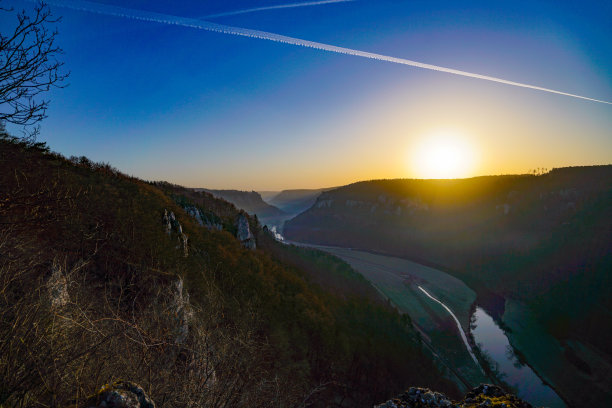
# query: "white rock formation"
244,233
171,223
182,311
57,287
324,203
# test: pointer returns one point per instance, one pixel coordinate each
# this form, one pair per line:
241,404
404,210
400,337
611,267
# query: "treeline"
95,290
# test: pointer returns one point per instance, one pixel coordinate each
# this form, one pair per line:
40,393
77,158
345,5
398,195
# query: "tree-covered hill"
105,277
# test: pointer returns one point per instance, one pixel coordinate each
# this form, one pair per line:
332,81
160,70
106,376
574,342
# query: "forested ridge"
96,289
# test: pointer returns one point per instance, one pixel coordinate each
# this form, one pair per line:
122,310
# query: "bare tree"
28,65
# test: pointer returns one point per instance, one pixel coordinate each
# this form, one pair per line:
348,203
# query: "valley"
533,251
315,204
400,281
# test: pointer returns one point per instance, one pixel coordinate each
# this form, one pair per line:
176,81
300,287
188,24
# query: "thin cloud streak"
280,6
245,32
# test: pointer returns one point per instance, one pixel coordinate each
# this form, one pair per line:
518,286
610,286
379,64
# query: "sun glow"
443,155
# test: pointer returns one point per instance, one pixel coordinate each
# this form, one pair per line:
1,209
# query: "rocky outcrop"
120,394
195,213
244,232
181,310
207,220
57,287
183,241
166,221
382,205
273,232
485,395
172,224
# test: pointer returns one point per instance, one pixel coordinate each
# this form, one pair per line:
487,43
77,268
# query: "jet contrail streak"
245,32
281,6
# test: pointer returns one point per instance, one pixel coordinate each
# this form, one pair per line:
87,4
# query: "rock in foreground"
121,394
485,395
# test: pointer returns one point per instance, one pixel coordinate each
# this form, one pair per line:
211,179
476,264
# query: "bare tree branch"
28,67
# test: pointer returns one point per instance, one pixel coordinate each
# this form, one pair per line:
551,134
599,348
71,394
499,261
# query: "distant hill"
268,195
296,201
249,201
544,241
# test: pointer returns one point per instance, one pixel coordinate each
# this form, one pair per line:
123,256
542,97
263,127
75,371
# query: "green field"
398,280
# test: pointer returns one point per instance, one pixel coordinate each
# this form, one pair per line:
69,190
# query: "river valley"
441,308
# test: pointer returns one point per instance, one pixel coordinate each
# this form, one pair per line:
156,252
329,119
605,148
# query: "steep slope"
538,245
105,278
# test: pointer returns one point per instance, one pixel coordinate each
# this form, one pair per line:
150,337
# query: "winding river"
492,340
387,274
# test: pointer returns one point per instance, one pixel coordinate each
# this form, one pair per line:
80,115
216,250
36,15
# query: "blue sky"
214,110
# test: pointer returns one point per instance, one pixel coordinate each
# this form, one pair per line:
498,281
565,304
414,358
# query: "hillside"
542,242
249,201
296,201
267,195
105,277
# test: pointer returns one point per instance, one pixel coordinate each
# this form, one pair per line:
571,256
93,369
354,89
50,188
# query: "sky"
207,109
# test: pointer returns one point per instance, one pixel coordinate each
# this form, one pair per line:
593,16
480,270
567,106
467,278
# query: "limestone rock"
208,220
485,395
166,221
195,213
182,311
172,224
57,287
120,394
244,232
184,241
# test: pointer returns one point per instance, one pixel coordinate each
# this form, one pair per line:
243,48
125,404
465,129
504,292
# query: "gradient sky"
204,109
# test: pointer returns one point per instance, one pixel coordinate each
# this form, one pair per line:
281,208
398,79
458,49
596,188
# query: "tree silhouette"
28,66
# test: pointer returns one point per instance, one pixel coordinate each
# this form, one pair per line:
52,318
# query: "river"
388,274
492,340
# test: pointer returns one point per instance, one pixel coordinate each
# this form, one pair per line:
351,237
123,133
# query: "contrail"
281,6
246,32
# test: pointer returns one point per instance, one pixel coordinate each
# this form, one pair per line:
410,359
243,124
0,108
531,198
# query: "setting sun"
443,154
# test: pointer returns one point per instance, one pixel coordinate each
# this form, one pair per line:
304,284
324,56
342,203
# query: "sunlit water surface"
492,339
